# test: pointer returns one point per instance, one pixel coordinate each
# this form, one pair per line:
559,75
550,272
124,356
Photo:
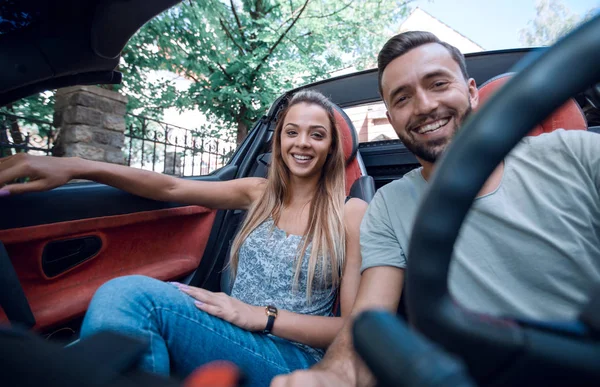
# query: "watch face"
271,310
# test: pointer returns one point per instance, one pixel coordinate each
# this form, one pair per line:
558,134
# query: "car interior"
58,247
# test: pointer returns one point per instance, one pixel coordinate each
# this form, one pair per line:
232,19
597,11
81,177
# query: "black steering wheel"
498,351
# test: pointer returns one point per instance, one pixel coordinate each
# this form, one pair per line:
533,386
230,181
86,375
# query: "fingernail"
4,192
175,283
198,303
183,287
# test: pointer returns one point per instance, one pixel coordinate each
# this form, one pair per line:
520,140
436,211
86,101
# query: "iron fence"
156,145
149,144
24,134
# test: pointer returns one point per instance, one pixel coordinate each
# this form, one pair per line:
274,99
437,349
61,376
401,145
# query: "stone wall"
91,123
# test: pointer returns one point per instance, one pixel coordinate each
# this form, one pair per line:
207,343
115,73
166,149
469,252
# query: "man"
530,245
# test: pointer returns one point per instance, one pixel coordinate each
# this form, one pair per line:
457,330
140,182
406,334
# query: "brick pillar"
91,123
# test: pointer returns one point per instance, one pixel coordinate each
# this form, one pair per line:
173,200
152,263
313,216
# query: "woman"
296,247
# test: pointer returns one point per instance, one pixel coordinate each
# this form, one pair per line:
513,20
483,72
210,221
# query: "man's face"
427,99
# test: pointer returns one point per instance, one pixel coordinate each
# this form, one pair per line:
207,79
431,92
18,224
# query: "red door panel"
164,244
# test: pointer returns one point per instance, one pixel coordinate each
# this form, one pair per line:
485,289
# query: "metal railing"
24,134
158,146
149,144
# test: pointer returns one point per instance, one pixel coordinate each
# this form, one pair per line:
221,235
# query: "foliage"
241,54
236,56
553,20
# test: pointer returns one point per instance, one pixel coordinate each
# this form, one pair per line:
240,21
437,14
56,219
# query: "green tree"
553,20
240,54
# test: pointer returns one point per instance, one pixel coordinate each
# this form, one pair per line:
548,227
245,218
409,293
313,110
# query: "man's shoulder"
407,183
558,141
559,137
399,195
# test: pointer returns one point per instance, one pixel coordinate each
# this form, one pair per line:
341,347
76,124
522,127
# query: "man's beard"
430,151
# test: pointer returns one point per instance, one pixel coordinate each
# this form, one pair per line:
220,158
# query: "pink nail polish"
4,192
198,303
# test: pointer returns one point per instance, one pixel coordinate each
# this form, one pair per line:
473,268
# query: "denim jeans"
183,337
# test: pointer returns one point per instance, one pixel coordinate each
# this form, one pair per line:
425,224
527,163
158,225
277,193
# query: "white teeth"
433,126
301,157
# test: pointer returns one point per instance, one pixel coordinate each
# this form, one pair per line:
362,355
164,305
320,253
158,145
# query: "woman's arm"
49,172
316,331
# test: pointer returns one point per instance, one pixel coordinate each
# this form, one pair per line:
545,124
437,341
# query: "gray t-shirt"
529,249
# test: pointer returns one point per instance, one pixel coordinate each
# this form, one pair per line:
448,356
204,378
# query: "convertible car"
58,247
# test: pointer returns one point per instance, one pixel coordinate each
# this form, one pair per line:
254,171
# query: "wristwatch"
271,313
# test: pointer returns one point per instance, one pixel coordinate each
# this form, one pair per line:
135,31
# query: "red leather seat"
350,143
569,116
358,184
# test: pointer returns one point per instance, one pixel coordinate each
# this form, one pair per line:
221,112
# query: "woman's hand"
44,173
248,317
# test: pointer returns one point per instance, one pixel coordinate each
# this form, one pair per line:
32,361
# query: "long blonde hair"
326,229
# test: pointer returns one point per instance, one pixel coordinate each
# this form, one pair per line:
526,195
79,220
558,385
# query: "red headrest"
350,144
349,136
569,116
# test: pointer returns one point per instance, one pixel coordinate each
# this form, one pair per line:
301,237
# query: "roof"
49,44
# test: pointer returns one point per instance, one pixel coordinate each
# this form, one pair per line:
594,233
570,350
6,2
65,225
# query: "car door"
65,243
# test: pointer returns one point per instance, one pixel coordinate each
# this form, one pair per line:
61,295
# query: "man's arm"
584,146
380,288
591,156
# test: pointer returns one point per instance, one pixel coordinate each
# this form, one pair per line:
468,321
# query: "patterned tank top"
265,276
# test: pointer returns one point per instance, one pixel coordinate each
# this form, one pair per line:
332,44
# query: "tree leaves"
553,20
239,55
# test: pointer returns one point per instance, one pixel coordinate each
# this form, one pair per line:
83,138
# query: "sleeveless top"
265,276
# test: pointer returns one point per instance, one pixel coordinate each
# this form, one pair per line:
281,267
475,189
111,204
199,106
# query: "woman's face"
306,139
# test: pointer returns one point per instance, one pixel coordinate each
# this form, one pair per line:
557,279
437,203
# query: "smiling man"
530,245
427,93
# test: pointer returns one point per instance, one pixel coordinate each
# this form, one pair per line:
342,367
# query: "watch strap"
271,313
270,322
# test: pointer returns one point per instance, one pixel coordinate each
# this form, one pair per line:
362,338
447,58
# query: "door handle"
60,256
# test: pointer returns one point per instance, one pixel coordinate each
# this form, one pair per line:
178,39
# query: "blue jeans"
183,337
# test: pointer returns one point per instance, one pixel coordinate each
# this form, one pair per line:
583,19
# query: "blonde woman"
298,245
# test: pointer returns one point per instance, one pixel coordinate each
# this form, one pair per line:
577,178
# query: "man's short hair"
406,41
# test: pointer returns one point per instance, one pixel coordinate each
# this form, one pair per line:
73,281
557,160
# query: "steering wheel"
499,351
